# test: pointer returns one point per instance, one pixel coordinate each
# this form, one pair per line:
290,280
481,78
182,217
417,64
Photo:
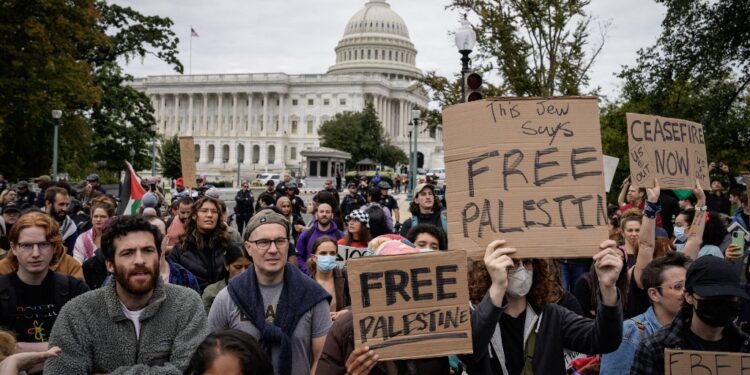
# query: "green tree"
63,55
699,70
360,134
170,158
536,46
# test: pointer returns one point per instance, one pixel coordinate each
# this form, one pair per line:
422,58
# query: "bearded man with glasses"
286,311
31,296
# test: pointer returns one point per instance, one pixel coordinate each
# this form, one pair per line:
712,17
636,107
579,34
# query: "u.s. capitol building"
265,120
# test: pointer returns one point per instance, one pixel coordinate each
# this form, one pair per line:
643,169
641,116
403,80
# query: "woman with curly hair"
206,239
518,328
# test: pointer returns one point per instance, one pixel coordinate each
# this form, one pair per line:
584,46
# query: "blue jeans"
571,271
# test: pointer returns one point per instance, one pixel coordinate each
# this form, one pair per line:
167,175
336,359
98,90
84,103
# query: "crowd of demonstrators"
279,290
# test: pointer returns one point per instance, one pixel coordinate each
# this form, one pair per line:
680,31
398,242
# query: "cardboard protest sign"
411,306
187,161
687,362
610,167
345,253
672,150
528,170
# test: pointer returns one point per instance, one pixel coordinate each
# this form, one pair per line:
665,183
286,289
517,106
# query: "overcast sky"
299,36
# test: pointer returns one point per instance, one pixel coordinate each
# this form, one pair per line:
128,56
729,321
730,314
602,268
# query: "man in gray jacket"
136,324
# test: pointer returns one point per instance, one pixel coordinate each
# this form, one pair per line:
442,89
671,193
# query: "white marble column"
250,129
190,114
234,114
220,112
282,119
204,115
265,125
177,114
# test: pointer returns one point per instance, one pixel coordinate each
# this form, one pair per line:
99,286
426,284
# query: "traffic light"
473,86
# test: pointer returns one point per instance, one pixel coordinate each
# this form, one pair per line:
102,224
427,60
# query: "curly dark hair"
120,226
218,238
241,345
544,288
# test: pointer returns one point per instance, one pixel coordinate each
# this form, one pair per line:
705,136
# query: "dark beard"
123,278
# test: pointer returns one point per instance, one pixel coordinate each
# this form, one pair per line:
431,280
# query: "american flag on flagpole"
193,33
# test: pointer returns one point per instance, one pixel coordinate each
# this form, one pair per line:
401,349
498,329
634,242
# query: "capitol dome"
376,40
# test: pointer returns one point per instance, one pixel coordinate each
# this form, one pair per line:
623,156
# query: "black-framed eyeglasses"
265,244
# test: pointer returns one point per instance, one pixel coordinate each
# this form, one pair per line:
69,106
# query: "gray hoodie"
96,337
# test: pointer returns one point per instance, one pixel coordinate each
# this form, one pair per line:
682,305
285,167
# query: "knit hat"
265,217
360,215
213,193
150,200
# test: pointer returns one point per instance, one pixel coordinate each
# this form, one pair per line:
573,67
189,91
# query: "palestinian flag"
131,193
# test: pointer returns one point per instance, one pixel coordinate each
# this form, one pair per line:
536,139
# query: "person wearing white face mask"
517,328
323,268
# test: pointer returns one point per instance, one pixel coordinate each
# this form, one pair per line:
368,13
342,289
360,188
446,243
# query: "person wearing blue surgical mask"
323,268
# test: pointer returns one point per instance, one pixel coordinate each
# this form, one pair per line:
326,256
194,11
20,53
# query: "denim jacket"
619,361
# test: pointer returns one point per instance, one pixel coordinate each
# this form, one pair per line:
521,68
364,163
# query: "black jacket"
207,264
244,201
559,329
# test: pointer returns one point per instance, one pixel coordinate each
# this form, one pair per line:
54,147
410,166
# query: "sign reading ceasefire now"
411,306
672,150
528,170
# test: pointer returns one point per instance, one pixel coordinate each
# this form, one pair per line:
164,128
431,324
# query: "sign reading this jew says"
672,150
411,306
528,170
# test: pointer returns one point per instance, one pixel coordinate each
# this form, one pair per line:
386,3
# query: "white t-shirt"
135,317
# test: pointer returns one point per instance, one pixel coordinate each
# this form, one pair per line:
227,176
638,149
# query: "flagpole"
190,64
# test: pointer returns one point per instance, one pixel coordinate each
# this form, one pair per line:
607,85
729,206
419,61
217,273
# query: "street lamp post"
57,115
465,40
415,115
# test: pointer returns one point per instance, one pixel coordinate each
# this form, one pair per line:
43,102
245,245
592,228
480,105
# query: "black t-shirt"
35,310
745,217
511,329
638,301
696,343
